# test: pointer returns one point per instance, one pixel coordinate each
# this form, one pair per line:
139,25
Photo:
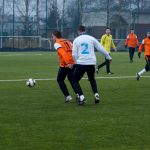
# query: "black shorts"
80,70
147,67
65,72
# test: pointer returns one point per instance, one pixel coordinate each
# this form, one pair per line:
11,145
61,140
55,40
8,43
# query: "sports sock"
142,72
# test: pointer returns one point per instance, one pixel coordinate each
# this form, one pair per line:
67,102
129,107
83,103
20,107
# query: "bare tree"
26,8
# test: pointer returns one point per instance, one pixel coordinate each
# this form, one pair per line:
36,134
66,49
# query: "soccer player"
146,46
85,60
64,49
108,43
131,42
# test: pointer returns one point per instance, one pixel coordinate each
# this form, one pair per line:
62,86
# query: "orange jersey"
146,46
64,48
132,40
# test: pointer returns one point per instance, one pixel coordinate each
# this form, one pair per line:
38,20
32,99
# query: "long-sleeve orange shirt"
146,46
64,48
132,40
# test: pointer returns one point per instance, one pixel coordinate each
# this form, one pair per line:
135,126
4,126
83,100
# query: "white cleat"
97,98
68,99
82,100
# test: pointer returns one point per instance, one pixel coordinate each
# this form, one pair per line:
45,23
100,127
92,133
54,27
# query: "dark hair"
108,28
132,29
81,28
57,34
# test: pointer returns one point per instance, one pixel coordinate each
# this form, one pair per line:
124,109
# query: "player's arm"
113,45
101,49
102,41
75,51
141,48
137,42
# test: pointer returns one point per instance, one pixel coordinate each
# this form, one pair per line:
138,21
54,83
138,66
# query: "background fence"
39,18
38,43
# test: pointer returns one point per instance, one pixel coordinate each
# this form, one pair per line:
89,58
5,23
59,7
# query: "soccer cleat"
110,73
138,77
82,100
68,99
77,97
97,98
131,61
97,70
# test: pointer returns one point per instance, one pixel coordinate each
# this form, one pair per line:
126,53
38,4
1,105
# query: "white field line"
54,79
11,55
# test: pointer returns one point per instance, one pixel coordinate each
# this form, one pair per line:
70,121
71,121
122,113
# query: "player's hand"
139,54
109,60
115,49
125,46
70,66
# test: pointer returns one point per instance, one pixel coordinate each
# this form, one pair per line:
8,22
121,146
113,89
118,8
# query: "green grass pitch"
38,119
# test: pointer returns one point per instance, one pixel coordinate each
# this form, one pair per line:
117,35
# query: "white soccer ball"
31,82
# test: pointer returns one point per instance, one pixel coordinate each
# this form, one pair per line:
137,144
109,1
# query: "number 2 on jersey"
85,48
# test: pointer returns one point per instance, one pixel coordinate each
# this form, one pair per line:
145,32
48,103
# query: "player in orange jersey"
131,42
146,46
64,49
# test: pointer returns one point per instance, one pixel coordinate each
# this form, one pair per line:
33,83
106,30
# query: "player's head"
81,29
132,30
148,33
56,35
108,31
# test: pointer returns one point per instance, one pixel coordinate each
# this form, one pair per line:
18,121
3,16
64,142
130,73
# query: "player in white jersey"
85,60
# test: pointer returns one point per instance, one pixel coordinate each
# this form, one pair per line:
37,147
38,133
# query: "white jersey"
83,50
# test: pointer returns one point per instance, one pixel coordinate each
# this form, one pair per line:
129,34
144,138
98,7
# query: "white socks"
142,72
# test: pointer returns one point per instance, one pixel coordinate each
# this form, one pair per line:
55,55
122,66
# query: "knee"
59,80
147,68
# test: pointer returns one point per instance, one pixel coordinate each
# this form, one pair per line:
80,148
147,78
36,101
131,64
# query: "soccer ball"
31,82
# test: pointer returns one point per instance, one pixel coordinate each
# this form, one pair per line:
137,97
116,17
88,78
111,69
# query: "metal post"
108,13
46,20
13,20
78,12
1,26
2,20
62,21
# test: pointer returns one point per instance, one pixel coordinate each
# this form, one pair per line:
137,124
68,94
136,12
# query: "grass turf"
38,119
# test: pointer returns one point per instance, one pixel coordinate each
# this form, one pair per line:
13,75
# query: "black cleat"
77,97
137,77
82,102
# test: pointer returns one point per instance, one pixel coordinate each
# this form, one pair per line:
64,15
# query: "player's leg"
100,66
91,76
146,69
60,79
70,78
108,67
132,54
77,75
